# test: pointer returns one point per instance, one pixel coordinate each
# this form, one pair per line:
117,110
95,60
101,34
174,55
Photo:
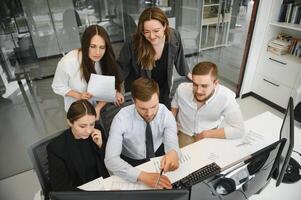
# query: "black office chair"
110,110
38,155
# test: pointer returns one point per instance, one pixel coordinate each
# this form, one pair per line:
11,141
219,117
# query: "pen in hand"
158,180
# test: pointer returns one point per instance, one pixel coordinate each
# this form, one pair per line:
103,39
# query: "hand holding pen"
155,180
158,180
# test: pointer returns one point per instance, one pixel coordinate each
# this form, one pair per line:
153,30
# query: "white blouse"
68,77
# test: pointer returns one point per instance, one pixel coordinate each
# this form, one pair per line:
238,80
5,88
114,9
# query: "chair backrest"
38,155
110,110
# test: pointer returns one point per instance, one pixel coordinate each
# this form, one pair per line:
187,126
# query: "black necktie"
149,141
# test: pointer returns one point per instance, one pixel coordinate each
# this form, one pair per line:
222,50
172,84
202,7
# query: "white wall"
261,24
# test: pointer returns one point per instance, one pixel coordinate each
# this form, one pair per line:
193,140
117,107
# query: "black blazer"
66,168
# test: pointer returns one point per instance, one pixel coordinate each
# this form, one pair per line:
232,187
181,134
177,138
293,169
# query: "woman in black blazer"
77,155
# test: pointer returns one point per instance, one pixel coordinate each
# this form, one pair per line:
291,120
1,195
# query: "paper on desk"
183,170
102,87
118,183
252,141
94,185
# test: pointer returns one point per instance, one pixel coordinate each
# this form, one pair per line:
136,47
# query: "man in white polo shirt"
202,105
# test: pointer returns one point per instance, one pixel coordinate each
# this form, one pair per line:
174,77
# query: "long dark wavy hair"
145,51
107,62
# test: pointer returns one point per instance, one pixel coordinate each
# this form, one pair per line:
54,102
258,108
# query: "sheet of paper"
94,185
119,184
183,170
102,87
252,141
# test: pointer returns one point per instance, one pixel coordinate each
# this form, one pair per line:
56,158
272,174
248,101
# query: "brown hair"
79,109
108,62
145,51
144,88
204,68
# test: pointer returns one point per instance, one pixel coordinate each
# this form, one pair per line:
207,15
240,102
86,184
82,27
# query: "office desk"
224,152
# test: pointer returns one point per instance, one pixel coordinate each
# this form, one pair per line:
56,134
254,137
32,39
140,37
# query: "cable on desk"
243,194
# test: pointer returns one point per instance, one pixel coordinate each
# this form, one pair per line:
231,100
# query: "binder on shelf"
282,13
298,15
290,12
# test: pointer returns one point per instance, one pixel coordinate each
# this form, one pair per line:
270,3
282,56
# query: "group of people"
154,125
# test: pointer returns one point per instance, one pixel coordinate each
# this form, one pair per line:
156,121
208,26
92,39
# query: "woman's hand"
79,95
119,99
85,95
98,108
96,137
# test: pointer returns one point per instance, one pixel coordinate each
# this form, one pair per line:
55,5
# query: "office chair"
110,110
38,155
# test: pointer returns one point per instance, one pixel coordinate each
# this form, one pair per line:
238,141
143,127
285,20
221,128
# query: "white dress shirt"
68,76
127,136
222,106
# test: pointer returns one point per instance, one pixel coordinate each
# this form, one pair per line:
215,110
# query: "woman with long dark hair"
73,71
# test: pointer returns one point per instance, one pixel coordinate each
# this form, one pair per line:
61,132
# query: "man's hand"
151,179
96,137
200,136
170,161
213,133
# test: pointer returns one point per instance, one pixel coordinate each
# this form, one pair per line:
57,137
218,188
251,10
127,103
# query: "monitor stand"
292,173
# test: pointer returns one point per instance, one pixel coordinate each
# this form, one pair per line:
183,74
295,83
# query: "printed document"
102,87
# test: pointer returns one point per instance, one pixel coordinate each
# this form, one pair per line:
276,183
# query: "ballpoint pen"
161,172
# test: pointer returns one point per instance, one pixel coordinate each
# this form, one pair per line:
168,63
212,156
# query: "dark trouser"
160,152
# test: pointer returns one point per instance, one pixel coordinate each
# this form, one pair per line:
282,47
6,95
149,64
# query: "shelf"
214,20
208,5
296,27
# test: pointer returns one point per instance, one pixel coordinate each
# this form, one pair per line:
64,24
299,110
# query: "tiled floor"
25,185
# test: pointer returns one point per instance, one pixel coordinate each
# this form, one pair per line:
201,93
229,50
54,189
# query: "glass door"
66,24
41,28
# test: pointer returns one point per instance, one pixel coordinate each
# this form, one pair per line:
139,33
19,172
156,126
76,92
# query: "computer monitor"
182,194
261,166
249,176
287,132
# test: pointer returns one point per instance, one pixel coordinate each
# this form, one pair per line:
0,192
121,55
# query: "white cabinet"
277,77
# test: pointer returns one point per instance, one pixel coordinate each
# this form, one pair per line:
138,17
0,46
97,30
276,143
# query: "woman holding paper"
73,71
153,51
76,156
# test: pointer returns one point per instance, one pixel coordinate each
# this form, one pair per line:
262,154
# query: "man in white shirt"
202,105
129,139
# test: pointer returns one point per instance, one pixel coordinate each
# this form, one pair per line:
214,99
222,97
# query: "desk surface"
223,152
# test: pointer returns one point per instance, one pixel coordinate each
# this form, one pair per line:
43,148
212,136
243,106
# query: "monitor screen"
287,132
261,166
182,194
254,173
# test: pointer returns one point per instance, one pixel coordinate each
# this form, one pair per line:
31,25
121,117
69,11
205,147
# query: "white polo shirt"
222,106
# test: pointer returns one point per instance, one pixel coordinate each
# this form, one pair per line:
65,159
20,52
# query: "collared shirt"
68,77
127,136
222,106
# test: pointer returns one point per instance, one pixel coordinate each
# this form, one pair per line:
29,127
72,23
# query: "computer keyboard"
197,176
